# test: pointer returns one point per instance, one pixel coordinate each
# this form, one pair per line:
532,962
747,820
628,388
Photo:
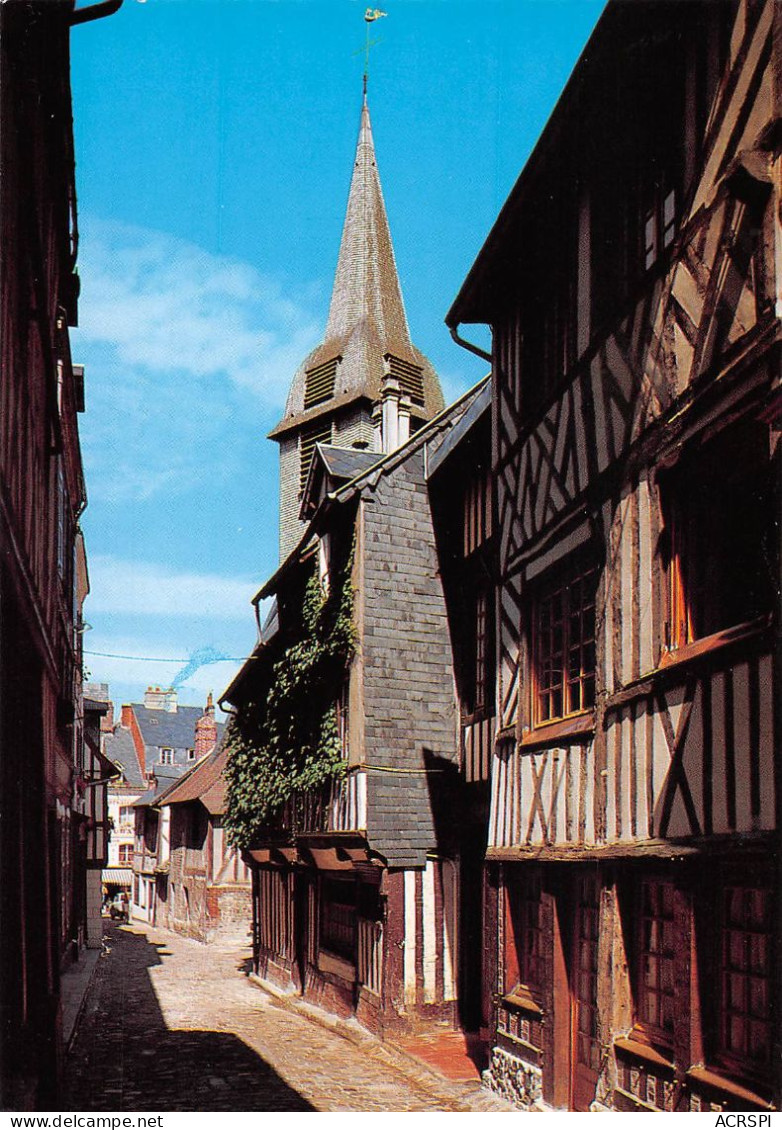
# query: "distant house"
207,888
124,791
151,840
164,736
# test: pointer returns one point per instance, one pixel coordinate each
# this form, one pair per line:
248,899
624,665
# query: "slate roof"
166,776
481,404
173,729
366,317
205,782
346,462
341,464
121,750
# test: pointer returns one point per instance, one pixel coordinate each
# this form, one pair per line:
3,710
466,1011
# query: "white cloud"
166,306
189,356
121,587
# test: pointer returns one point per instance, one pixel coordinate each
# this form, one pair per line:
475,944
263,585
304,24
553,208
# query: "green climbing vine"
284,739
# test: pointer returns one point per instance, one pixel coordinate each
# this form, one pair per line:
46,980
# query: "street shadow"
125,1057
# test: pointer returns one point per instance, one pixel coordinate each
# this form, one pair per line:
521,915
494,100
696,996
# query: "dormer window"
319,383
191,755
310,437
166,756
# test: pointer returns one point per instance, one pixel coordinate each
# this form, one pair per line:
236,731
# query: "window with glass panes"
522,901
745,1037
655,959
564,643
338,917
587,935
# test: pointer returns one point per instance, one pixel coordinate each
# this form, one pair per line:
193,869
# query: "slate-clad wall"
291,529
409,695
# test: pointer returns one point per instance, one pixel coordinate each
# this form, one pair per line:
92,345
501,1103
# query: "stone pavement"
170,1024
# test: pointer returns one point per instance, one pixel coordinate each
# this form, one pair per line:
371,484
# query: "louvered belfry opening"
317,433
410,377
319,383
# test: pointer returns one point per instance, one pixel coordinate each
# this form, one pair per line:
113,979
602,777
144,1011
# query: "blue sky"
214,146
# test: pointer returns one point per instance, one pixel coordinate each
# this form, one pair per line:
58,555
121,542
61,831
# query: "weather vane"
370,16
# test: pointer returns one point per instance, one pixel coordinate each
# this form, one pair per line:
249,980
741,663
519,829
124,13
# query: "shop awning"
122,876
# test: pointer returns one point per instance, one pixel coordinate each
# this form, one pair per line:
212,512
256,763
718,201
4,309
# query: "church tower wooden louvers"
366,386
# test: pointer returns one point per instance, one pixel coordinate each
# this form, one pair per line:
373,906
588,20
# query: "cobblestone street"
170,1024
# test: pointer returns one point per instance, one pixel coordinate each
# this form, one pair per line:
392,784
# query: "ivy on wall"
287,741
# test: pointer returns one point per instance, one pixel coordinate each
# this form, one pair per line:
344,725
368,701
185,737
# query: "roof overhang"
301,419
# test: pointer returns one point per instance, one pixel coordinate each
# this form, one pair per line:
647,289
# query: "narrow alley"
170,1024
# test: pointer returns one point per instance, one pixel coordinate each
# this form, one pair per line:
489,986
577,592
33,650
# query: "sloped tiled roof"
168,728
346,462
166,776
121,750
205,782
480,405
341,464
366,317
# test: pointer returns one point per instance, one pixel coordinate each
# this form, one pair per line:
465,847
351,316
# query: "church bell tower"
366,386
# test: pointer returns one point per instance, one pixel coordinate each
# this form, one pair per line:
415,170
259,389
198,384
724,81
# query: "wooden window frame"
568,583
328,924
658,224
703,560
586,943
478,680
127,851
654,957
524,959
477,511
741,1063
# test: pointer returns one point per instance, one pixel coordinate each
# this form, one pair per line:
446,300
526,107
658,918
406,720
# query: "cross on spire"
370,15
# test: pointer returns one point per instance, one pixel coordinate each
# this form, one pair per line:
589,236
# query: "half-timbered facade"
632,285
45,835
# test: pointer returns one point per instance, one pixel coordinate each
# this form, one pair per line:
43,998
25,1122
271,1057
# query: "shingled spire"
366,356
366,284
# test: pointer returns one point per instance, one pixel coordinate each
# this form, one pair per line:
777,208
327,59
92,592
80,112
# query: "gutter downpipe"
94,12
454,330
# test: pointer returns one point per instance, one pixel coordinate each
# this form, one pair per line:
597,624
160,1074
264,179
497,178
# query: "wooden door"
585,1045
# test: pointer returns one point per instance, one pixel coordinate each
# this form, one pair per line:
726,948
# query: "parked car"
118,907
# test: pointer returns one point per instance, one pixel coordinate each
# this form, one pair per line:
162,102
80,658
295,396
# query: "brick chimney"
206,730
107,721
128,722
